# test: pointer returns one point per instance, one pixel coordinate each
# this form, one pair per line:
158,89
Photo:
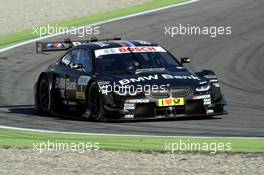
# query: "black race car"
120,79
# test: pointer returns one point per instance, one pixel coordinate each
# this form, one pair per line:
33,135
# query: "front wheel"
97,111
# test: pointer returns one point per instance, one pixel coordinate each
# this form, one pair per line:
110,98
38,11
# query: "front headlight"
203,88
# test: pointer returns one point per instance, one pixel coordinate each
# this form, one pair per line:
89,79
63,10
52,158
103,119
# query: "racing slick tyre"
47,101
43,95
97,111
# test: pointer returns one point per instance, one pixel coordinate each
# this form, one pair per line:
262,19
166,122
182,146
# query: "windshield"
142,60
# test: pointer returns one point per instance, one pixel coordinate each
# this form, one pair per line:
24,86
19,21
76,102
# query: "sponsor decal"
129,116
56,45
206,99
101,83
209,111
202,97
213,80
137,101
80,95
156,77
210,76
62,83
138,79
83,80
120,50
171,102
141,49
129,106
186,77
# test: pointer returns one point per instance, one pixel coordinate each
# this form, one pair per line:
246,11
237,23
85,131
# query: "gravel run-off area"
17,15
27,161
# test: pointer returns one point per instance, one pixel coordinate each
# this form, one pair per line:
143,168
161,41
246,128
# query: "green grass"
19,139
14,38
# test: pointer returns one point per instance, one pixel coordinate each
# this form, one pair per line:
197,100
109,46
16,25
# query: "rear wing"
64,45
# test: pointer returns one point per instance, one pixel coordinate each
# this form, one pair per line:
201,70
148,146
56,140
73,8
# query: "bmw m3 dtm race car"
119,79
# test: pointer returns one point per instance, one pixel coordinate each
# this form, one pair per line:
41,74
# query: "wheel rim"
95,103
44,95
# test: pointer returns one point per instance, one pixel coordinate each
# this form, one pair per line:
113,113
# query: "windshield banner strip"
120,50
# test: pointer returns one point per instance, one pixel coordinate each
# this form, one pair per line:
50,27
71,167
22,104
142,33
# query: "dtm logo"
156,77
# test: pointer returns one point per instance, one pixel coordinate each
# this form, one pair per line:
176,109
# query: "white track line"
99,23
121,135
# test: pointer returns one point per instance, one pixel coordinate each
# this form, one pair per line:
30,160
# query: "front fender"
212,79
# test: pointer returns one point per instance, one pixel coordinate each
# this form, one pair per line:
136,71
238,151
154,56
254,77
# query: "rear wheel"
48,100
97,111
44,95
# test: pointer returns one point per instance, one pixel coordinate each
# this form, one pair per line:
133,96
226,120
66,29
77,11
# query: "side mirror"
185,60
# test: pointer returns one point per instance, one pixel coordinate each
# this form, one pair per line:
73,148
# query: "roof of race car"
116,43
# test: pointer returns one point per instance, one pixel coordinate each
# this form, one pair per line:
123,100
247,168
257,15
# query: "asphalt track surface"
238,59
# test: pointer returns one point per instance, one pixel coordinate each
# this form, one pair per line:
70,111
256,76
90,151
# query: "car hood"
179,76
